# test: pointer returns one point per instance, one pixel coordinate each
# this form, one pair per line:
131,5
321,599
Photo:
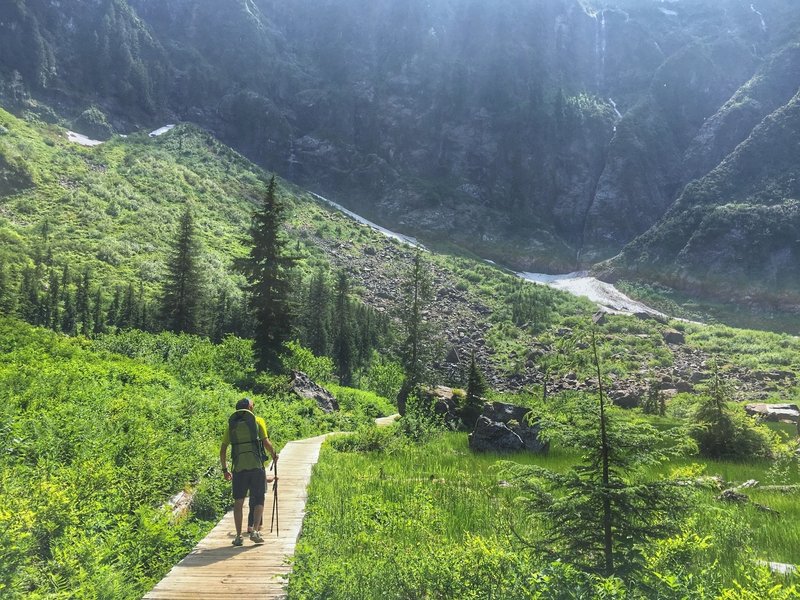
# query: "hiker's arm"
270,449
223,460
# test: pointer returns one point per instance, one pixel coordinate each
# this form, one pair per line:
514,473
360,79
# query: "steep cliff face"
547,134
736,231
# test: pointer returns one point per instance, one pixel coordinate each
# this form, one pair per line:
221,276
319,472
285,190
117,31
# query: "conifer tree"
6,298
128,314
115,308
52,305
268,271
83,304
69,317
182,293
30,303
476,389
416,349
343,344
600,515
98,319
317,317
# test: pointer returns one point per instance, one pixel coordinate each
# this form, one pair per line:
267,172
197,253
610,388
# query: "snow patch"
605,295
79,138
668,12
161,130
359,219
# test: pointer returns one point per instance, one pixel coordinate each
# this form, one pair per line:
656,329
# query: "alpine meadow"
406,299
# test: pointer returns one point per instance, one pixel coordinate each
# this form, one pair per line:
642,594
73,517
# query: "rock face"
504,428
774,412
526,146
302,385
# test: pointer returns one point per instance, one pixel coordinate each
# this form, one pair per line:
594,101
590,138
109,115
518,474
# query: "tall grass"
383,524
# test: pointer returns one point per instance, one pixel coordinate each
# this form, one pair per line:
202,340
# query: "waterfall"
600,47
614,106
760,16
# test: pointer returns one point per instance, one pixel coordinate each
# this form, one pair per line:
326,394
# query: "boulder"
625,398
302,385
673,336
774,412
504,428
493,436
444,402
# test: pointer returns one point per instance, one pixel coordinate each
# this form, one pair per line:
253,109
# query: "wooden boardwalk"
217,570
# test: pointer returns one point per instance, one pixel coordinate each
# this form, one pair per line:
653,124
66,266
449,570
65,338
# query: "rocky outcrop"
445,403
788,413
301,384
506,428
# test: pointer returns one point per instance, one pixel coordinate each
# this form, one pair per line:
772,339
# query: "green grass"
96,438
379,521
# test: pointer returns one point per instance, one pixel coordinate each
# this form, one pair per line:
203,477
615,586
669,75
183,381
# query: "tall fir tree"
183,288
5,295
83,304
128,313
343,342
29,307
98,316
115,308
416,350
52,304
268,271
317,315
69,316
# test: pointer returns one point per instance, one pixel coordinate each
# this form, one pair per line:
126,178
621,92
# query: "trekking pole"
274,501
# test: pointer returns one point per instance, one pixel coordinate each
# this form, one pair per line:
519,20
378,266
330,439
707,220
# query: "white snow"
390,234
161,130
79,138
605,295
669,13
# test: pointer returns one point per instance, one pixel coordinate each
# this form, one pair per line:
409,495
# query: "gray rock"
493,436
673,336
498,421
302,385
774,412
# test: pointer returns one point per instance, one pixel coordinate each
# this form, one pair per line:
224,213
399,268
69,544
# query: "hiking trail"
215,569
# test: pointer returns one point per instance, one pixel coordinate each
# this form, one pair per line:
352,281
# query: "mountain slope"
521,130
735,231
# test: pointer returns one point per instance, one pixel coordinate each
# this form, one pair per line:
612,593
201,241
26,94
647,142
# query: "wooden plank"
216,570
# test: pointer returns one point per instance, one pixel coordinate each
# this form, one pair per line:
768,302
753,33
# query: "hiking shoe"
237,541
256,538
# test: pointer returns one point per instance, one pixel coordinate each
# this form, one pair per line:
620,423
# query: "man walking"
246,434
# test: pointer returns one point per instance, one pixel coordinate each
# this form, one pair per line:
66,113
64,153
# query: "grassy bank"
434,520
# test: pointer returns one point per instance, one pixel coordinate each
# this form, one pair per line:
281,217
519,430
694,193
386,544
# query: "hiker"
247,436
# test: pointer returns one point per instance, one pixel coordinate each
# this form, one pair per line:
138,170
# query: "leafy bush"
361,402
297,358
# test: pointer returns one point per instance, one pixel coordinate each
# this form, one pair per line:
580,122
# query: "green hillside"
102,429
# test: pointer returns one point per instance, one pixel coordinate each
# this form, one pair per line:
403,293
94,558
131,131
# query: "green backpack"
245,438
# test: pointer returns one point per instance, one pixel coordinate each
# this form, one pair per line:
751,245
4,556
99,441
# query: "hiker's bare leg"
238,510
258,513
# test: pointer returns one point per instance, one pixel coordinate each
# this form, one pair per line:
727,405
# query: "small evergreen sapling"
600,515
476,389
